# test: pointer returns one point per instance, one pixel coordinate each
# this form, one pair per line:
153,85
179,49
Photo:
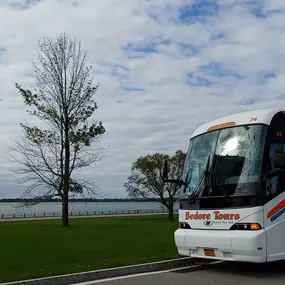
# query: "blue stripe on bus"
277,215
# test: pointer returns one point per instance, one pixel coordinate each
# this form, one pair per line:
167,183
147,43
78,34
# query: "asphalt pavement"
224,273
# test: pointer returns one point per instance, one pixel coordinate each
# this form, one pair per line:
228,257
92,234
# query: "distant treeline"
19,200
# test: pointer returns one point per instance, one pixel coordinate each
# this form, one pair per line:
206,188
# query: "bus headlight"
184,226
246,227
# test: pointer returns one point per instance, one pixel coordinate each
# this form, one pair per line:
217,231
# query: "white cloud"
162,116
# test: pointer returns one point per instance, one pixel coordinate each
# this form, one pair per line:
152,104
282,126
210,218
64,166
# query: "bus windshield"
235,162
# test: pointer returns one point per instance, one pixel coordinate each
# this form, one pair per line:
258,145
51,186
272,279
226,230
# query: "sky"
164,68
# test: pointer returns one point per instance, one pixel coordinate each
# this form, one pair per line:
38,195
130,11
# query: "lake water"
75,207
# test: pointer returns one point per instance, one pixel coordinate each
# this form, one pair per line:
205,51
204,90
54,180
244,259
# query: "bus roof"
261,116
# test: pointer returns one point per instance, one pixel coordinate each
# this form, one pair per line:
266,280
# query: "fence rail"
78,213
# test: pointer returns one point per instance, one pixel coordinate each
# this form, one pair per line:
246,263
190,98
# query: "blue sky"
164,68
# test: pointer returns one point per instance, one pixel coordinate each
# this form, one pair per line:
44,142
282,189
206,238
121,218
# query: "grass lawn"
31,249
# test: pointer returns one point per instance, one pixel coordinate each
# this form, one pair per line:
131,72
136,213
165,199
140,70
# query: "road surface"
221,274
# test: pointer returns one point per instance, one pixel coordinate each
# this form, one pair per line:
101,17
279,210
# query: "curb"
204,265
109,273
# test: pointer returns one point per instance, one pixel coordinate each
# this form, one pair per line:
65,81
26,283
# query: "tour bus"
232,200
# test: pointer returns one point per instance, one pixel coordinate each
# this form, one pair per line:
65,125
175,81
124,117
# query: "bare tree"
63,101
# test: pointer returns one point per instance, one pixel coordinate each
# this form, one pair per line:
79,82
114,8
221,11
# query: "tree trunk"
170,214
64,216
66,179
170,209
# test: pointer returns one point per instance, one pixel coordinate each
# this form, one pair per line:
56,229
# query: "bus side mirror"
165,170
279,159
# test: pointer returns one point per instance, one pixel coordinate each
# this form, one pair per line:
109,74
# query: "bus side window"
276,183
276,139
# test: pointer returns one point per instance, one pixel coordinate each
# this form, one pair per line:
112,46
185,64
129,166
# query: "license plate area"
209,252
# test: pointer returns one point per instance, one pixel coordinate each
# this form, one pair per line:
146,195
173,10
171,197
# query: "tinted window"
275,182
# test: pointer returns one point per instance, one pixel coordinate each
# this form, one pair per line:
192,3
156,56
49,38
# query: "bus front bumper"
243,246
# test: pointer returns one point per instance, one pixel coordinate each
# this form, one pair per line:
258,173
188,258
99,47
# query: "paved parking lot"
220,274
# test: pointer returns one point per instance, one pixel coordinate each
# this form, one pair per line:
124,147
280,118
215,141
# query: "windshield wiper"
197,190
197,187
229,199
